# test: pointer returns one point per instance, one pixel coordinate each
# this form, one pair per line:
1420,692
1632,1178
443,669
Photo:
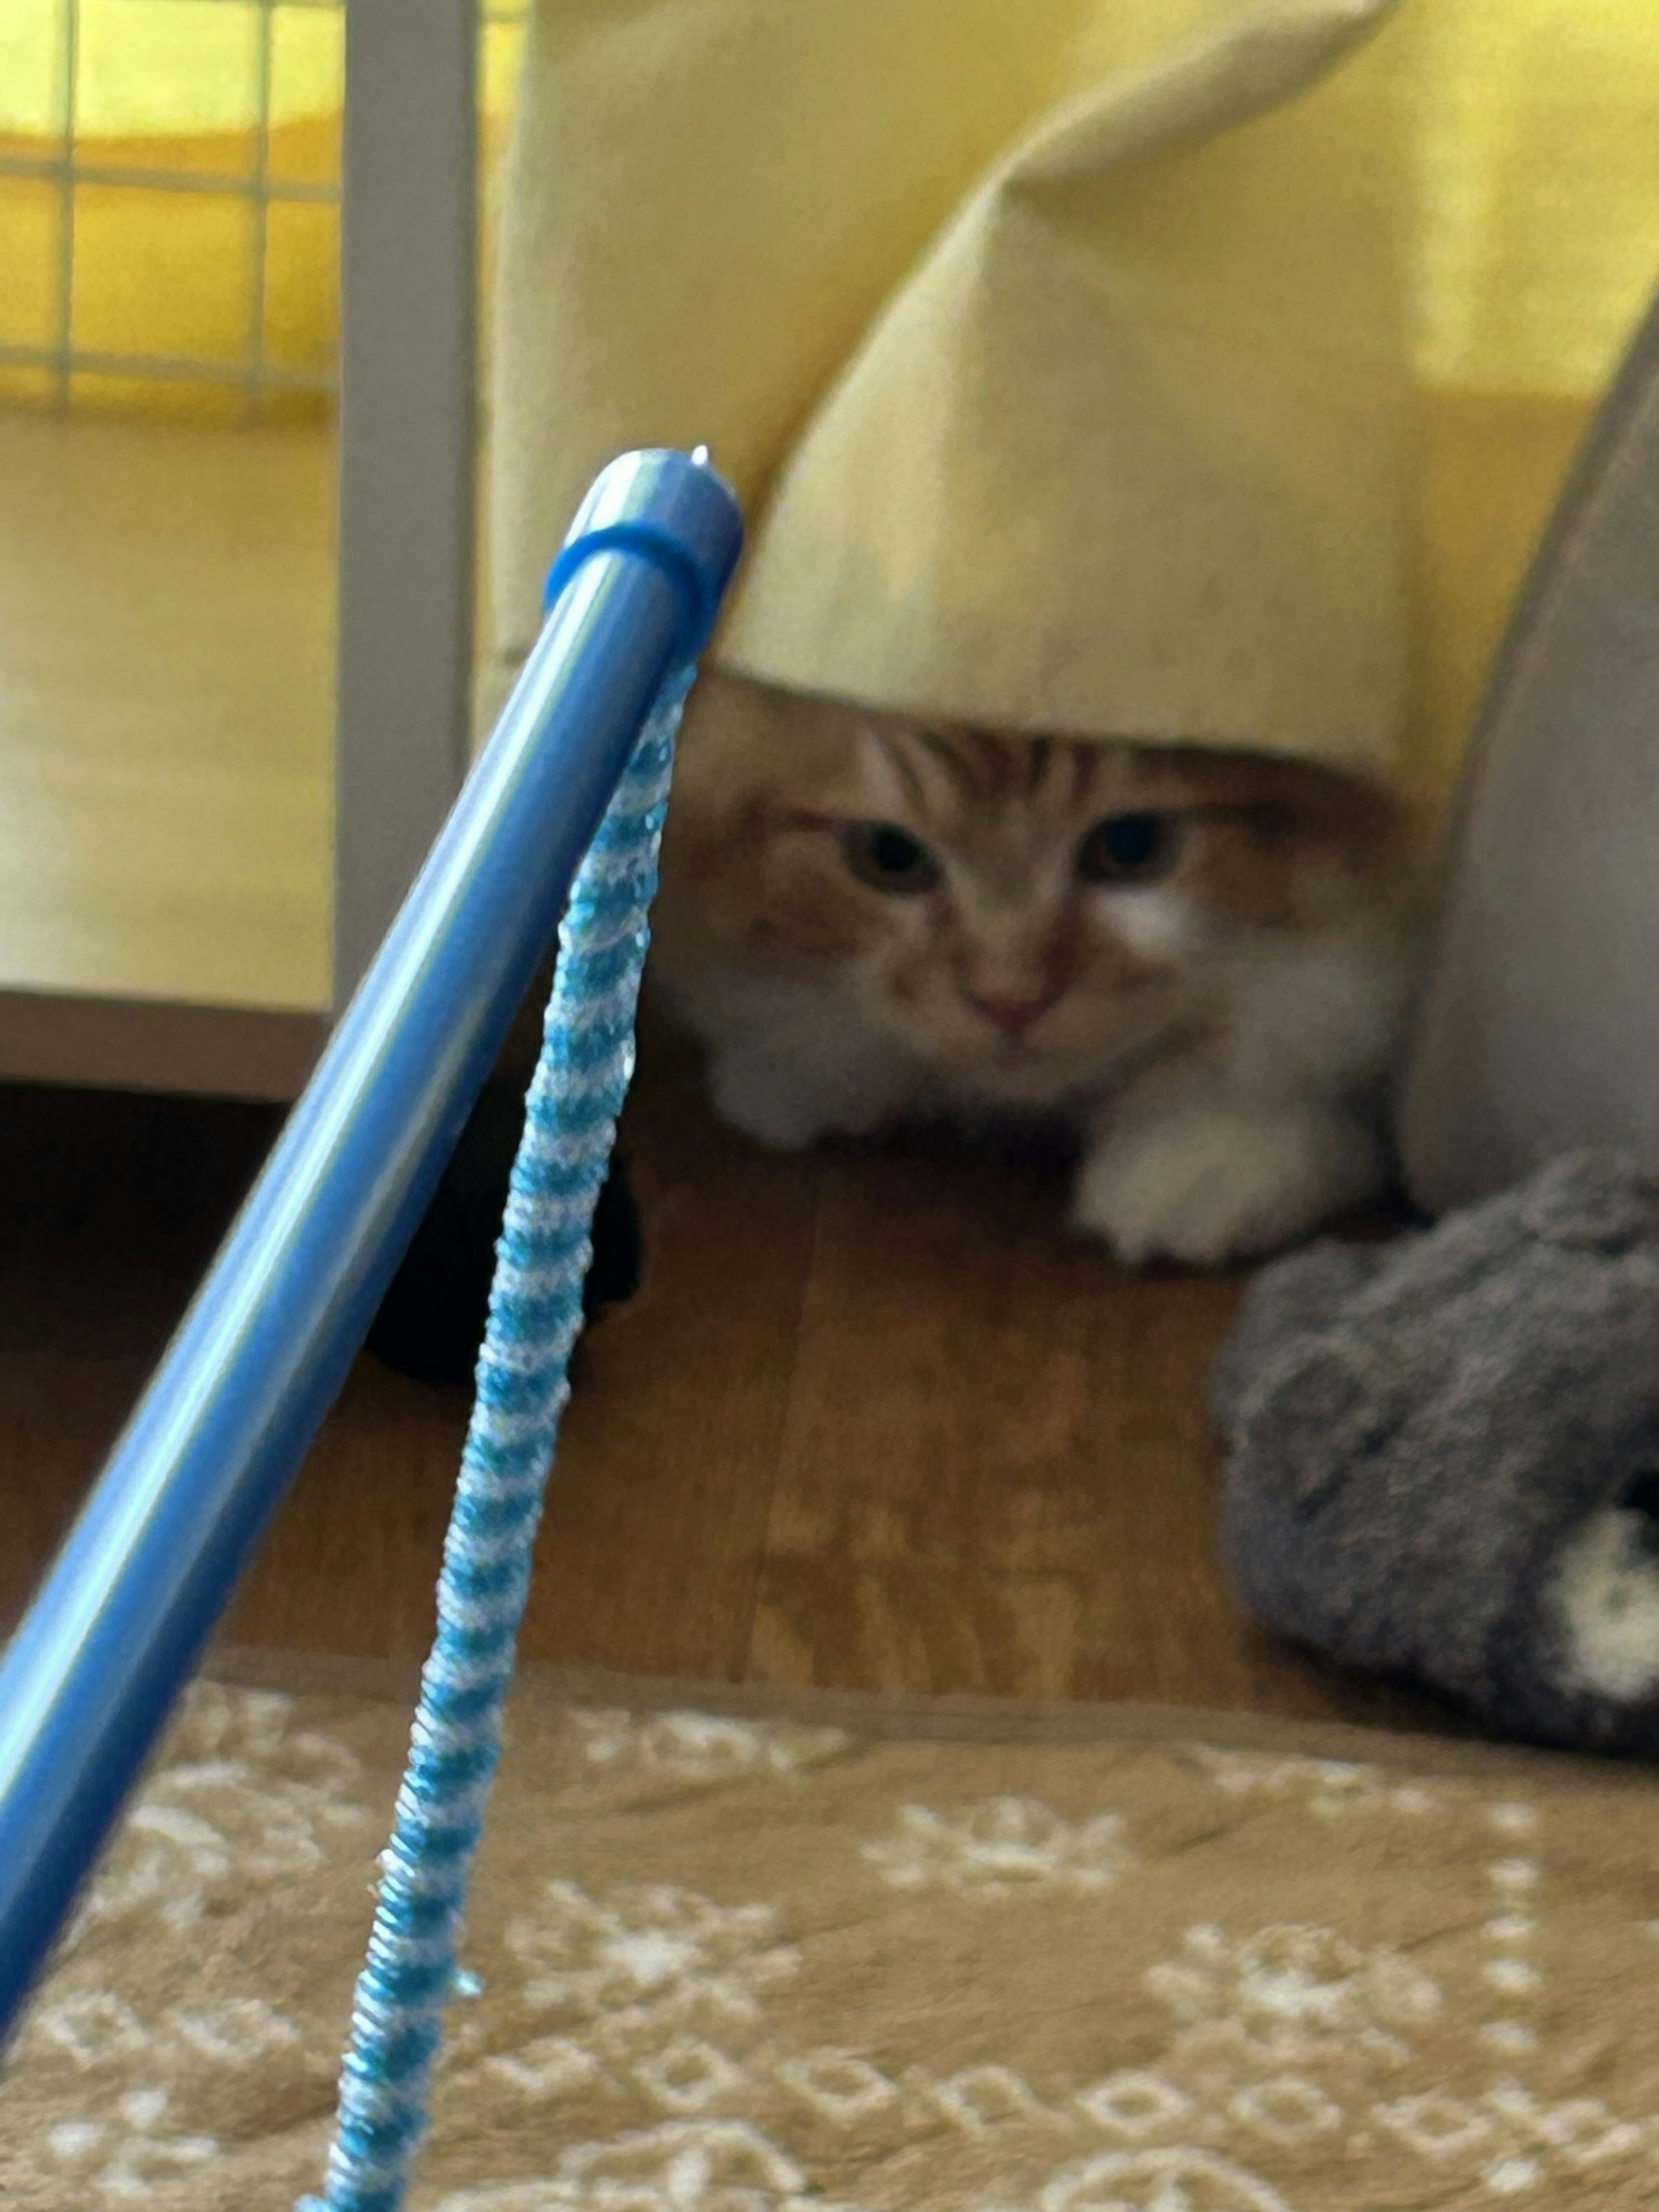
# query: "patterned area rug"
855,1958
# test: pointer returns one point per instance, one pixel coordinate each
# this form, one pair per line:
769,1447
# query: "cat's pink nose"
1015,1010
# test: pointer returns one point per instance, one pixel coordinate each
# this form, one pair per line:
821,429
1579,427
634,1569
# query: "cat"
1195,960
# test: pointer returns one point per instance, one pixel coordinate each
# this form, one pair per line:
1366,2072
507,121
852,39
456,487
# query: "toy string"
535,1317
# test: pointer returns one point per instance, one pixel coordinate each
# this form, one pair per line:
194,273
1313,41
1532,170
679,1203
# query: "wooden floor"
874,1421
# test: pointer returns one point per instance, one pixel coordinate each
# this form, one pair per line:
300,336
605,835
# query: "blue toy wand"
535,1317
119,1623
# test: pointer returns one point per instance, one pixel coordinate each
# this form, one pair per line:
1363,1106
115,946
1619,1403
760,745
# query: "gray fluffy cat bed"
1444,1454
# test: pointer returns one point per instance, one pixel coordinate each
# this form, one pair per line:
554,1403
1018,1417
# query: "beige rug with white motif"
856,1958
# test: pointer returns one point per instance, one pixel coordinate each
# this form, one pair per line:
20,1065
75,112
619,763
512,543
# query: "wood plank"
998,1474
409,288
875,1420
148,1044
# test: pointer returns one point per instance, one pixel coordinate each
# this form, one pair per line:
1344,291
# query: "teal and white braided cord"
535,1317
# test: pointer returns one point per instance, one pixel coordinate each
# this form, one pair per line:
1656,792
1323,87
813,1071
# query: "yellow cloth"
837,244
1114,448
1125,453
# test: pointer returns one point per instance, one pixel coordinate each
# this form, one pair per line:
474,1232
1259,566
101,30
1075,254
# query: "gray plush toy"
1445,1453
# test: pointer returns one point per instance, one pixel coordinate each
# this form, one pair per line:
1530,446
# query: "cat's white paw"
766,1098
787,1105
1217,1183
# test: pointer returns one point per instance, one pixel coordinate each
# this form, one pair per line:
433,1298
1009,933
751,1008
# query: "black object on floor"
431,1321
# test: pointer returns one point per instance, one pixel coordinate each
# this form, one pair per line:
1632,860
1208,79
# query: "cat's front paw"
787,1102
765,1097
1219,1183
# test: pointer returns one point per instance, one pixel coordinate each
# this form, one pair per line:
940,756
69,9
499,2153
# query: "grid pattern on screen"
203,260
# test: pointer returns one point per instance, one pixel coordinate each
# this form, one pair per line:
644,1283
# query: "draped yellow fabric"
1527,205
678,300
1126,450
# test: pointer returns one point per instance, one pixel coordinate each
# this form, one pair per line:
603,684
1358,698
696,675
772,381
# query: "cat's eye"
1130,848
881,854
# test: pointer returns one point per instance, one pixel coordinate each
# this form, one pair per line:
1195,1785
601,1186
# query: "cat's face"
1022,916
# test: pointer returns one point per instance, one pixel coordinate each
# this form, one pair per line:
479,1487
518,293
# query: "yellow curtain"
1534,126
1532,210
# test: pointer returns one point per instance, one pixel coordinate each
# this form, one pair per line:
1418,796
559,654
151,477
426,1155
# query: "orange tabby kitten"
1197,959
